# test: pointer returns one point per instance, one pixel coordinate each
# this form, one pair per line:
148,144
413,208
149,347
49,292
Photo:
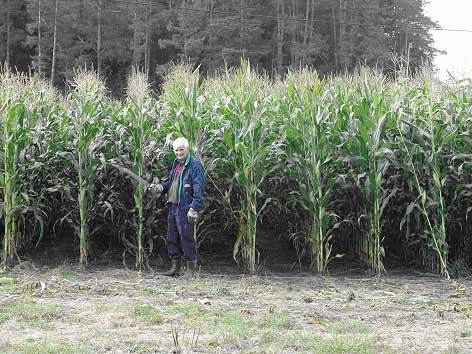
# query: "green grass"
141,348
156,292
224,326
8,284
230,328
4,317
431,302
187,309
7,281
51,348
148,314
340,344
311,342
349,327
278,321
28,314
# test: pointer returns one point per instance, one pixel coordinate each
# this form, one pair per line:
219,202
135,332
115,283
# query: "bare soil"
112,310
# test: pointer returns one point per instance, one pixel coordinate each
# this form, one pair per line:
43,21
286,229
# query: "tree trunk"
341,20
135,36
184,5
307,17
99,39
293,15
54,46
8,22
335,42
40,72
280,34
210,36
312,20
243,29
147,45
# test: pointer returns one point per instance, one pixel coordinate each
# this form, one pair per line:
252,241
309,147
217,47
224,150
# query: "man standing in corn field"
184,189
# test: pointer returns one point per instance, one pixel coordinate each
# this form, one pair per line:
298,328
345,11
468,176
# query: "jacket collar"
187,160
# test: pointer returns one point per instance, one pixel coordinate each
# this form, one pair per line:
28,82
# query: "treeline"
52,37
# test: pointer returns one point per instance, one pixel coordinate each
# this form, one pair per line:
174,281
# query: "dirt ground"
112,310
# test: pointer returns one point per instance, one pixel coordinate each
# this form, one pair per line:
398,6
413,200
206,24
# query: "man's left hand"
192,216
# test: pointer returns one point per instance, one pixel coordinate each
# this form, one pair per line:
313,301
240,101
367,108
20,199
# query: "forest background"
52,37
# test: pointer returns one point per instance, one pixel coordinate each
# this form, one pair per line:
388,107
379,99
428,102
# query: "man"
184,189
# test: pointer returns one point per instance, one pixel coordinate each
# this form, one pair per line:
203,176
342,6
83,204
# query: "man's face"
181,152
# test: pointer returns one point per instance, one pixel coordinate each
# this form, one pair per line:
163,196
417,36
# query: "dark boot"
191,269
174,268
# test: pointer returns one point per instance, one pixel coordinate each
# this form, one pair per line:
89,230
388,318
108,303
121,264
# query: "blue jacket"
191,183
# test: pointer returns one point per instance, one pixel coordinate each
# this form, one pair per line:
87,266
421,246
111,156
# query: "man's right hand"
156,188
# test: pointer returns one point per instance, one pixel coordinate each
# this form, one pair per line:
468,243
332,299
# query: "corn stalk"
86,110
253,144
368,151
425,135
183,104
23,103
137,125
311,159
14,126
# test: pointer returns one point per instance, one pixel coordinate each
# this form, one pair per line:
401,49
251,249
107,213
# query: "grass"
141,348
4,317
7,281
148,314
186,309
30,314
339,344
7,284
50,348
349,327
105,307
278,322
265,321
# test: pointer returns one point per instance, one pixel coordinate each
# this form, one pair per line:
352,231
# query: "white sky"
458,45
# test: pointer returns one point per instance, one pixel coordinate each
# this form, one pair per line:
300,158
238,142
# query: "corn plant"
182,103
185,101
458,186
24,107
425,135
368,149
253,144
14,123
311,159
136,126
86,114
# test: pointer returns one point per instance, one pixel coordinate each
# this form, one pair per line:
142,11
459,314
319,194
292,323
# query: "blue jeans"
180,237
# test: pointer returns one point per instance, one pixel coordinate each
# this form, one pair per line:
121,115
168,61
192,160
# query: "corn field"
370,168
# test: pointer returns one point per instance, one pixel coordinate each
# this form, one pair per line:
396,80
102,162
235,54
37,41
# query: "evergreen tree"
112,36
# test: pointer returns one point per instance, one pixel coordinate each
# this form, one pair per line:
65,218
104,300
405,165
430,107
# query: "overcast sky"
453,14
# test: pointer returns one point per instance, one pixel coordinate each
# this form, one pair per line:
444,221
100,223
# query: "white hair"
180,142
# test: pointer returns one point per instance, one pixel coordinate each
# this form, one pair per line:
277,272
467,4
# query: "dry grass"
116,311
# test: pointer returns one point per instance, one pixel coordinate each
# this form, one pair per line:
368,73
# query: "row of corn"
358,160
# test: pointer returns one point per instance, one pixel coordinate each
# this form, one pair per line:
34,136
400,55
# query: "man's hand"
156,188
192,216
